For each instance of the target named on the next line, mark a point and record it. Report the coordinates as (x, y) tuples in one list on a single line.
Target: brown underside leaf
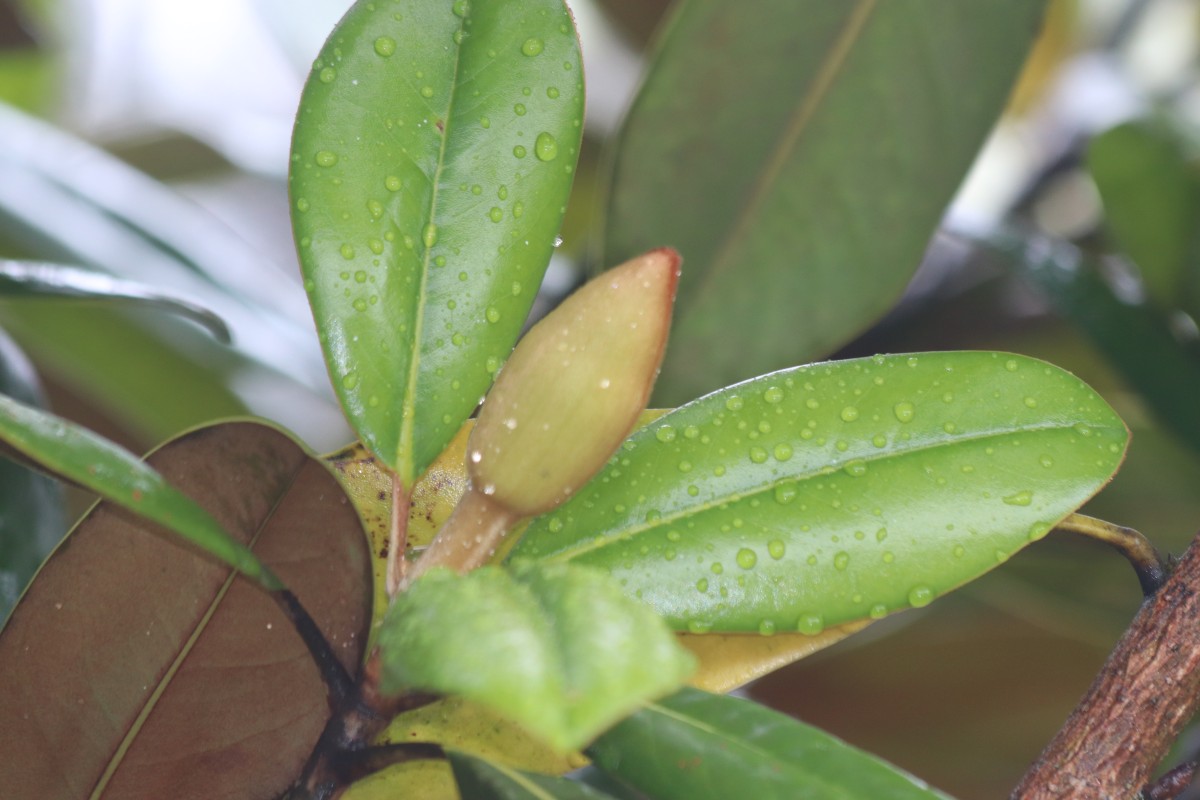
[(136, 668)]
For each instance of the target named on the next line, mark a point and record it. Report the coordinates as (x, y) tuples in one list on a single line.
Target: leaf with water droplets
[(557, 648), (700, 746), (433, 155), (826, 494), (861, 134)]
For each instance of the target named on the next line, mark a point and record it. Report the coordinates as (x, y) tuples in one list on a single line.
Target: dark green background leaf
[(135, 663), (696, 745), (485, 780), (843, 491), (433, 156), (802, 172)]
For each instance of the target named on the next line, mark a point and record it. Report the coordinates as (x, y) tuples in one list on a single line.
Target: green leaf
[(489, 780), (696, 745), (764, 167), (31, 505), (825, 494), (84, 458), (431, 164), (135, 668), (60, 281), (1151, 197), (1136, 337), (558, 649)]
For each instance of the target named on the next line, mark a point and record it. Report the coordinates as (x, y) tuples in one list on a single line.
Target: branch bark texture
[(1143, 696)]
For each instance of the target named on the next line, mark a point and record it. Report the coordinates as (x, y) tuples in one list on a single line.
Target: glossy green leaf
[(696, 745), (1136, 337), (1151, 197), (836, 492), (765, 167), (431, 164), (488, 780), (84, 458), (60, 281), (561, 650), (136, 668), (31, 505)]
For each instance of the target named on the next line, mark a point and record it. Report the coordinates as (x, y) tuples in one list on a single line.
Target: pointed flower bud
[(574, 386)]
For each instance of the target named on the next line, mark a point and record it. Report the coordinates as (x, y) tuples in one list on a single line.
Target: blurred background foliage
[(147, 142)]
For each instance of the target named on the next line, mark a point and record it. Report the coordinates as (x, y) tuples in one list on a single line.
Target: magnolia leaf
[(697, 745), (560, 650), (488, 780), (762, 167), (136, 668), (433, 155), (838, 492)]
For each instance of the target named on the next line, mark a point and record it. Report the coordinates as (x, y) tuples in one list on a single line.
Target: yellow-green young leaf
[(88, 460), (711, 747), (559, 649), (432, 160), (838, 492), (574, 387)]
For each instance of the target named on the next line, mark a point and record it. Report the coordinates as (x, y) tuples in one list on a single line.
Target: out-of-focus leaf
[(488, 780), (1151, 197), (136, 668), (464, 726), (837, 492), (432, 161), (696, 745), (59, 281), (762, 167), (81, 457), (637, 19), (1136, 338), (31, 505), (558, 649)]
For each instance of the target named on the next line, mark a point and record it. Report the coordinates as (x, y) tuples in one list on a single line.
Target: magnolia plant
[(487, 604)]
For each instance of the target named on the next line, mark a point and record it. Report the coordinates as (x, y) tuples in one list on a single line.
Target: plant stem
[(337, 681), (1150, 567), (1143, 696), (397, 564), (469, 537)]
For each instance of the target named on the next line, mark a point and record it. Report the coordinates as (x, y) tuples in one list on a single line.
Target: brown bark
[(1143, 696)]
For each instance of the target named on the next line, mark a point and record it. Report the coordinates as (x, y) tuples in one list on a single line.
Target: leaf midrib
[(135, 728), (601, 539), (404, 448)]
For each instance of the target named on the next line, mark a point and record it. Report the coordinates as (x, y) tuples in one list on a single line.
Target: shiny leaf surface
[(135, 668), (840, 94), (696, 745), (60, 281), (558, 649), (432, 159), (79, 456), (838, 492)]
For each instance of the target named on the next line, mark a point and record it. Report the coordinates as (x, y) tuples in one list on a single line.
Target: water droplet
[(920, 596), (856, 468), (1031, 402), (350, 380), (773, 395), (783, 452), (746, 558), (429, 235), (360, 304), (347, 251), (758, 455), (1011, 365), (426, 92), (518, 210), (1046, 461), (841, 561), (879, 440), (734, 403), (326, 158), (878, 611), (302, 205), (888, 556), (810, 624), (776, 548), (385, 46), (766, 628), (905, 411), (545, 147), (457, 37), (698, 626), (327, 75), (495, 215), (552, 92), (519, 109), (702, 585), (881, 534), (493, 314), (555, 525), (461, 8), (1019, 499), (360, 276), (532, 47), (392, 183), (949, 427), (665, 434), (519, 151), (849, 414)]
